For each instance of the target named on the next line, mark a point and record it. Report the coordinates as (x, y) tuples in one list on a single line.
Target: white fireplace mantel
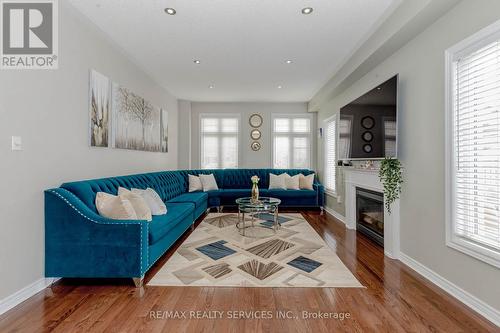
[(368, 179)]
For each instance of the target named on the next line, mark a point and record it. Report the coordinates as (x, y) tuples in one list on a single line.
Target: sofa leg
[(322, 210), (138, 282), (221, 208), (192, 226)]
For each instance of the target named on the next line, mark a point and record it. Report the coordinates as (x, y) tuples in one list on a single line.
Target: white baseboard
[(21, 295), (333, 213), (463, 296)]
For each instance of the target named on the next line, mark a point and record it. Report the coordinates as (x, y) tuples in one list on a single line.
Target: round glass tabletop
[(263, 202)]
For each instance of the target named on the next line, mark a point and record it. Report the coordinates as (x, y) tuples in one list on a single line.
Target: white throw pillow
[(195, 183), (114, 207), (306, 182), (141, 208), (292, 182), (153, 200), (277, 181), (208, 182)]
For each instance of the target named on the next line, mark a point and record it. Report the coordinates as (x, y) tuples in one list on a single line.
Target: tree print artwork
[(136, 123)]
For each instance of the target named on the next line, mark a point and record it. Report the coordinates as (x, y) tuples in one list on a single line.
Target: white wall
[(185, 135), (49, 109), (248, 157), (420, 65)]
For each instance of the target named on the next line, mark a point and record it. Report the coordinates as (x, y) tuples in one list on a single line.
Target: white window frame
[(473, 249), (292, 135), (336, 118), (219, 134)]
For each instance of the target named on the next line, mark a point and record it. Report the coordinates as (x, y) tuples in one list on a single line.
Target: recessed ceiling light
[(279, 87), (197, 62), (170, 11), (288, 61), (378, 88), (211, 87), (307, 10)]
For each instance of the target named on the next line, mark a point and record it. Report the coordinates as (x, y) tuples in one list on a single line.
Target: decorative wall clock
[(368, 122), (255, 120), (367, 136), (255, 134), (255, 146)]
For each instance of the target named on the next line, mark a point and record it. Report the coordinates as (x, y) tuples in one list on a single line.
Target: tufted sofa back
[(170, 184), (166, 183), (240, 178)]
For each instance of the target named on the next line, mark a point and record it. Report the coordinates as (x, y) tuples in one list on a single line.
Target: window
[(330, 150), (292, 141), (345, 133), (473, 146), (219, 141), (390, 137)]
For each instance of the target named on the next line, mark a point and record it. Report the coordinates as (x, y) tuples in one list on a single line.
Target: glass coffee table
[(254, 209)]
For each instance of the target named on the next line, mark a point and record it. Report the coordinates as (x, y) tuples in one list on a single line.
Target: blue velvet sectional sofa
[(82, 244)]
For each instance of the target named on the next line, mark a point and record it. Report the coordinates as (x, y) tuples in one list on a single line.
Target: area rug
[(216, 254)]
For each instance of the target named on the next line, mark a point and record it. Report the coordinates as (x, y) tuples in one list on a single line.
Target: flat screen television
[(368, 125)]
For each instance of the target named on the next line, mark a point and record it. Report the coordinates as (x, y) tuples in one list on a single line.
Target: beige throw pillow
[(141, 208), (292, 182), (306, 182), (153, 200), (195, 183), (208, 182), (277, 182), (114, 207)]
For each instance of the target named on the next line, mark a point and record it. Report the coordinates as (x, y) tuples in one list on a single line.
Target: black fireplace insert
[(370, 214)]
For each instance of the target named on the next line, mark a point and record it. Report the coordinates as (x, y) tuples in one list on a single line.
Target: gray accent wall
[(248, 158), (420, 64), (49, 109)]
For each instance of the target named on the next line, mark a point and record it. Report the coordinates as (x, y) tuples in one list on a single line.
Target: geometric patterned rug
[(216, 254)]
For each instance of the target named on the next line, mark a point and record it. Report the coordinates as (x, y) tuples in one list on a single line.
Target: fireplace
[(370, 214)]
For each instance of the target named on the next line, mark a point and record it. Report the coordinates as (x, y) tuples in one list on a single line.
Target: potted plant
[(391, 177)]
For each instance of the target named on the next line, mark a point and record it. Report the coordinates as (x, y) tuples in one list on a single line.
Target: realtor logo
[(29, 34)]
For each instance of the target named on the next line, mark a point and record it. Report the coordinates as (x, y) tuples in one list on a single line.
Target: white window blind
[(219, 141), (475, 86), (330, 160), (345, 132), (390, 137), (292, 141)]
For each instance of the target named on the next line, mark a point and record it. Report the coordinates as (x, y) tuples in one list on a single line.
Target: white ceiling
[(242, 44)]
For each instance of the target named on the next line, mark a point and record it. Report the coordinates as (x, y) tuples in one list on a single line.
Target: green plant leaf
[(391, 177)]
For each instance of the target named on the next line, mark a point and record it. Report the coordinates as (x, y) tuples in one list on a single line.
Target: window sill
[(474, 250)]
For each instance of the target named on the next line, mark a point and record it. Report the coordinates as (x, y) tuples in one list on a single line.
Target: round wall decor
[(255, 146), (367, 136), (368, 122), (255, 134), (255, 120), (367, 148)]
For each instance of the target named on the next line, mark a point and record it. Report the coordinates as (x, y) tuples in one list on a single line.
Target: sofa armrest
[(320, 190), (81, 243)]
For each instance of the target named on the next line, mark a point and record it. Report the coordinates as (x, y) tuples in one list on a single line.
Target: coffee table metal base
[(242, 225)]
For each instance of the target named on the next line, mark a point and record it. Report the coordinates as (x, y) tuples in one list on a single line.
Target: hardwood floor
[(396, 299)]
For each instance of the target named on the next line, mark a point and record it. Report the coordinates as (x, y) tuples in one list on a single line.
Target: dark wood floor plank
[(396, 299)]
